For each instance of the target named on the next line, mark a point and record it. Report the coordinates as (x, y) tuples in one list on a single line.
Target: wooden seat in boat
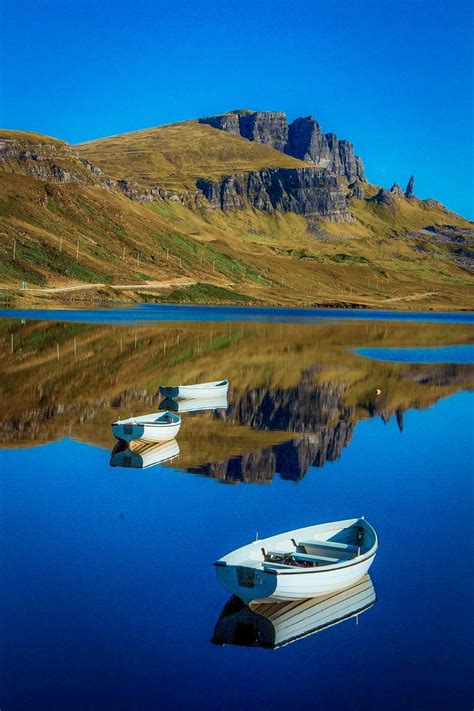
[(268, 564), (335, 545), (314, 558)]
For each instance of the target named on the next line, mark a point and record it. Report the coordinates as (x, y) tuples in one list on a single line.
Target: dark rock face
[(410, 191), (224, 122), (302, 139), (396, 190), (306, 191), (268, 127), (357, 190), (384, 197)]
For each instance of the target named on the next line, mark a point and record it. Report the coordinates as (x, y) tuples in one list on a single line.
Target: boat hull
[(176, 392), (145, 432), (253, 584), (339, 554)]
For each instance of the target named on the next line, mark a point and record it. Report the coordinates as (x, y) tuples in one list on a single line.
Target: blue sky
[(394, 78)]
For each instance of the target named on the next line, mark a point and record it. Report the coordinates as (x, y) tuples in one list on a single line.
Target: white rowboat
[(157, 427), (277, 624), (141, 455), (304, 563), (201, 390)]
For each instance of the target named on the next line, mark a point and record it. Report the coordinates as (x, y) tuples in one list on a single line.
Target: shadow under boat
[(219, 402), (141, 455), (274, 624)]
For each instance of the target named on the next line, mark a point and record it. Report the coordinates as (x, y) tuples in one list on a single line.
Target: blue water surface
[(108, 597), (435, 354), (131, 313)]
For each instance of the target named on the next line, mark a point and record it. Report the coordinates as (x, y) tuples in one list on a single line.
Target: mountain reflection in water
[(296, 391)]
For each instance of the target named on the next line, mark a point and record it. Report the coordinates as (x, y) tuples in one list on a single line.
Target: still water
[(108, 596)]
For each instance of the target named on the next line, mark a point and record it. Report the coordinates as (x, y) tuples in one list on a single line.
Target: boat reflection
[(218, 402), (274, 624), (141, 455)]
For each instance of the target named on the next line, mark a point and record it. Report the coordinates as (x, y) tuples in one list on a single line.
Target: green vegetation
[(207, 294)]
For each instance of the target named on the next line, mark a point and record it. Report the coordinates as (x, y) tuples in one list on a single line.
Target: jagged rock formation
[(307, 142), (302, 139), (396, 190), (384, 197), (410, 190), (306, 191)]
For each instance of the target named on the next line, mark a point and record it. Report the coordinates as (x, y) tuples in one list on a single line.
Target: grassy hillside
[(175, 156), (60, 234)]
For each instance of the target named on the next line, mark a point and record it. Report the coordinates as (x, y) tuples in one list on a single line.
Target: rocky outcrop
[(410, 190), (306, 191), (190, 198), (267, 127), (396, 190), (307, 142), (384, 197), (357, 191), (303, 139), (49, 162)]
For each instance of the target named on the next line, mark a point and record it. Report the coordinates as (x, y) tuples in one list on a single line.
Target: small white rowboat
[(201, 390), (280, 623), (157, 427), (304, 563), (141, 455)]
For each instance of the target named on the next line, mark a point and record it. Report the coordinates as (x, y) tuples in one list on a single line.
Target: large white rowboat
[(200, 390), (157, 427), (304, 563)]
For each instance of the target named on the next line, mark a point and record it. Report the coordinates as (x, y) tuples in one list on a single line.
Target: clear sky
[(395, 78)]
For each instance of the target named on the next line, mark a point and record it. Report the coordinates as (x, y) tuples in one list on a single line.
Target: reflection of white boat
[(274, 625), (307, 562), (201, 390), (217, 402), (140, 455), (157, 427)]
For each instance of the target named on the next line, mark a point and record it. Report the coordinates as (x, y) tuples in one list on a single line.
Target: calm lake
[(108, 596)]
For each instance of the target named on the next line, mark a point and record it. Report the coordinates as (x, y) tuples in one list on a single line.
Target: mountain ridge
[(230, 215)]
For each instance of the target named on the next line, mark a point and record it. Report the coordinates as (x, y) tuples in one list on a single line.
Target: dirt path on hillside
[(178, 281), (411, 297)]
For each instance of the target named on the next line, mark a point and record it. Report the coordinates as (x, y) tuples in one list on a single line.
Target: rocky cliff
[(53, 162), (303, 139), (305, 191)]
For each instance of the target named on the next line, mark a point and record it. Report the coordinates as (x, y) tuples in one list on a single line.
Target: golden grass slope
[(175, 156)]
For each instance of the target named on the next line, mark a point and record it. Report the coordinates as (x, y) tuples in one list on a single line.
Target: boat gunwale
[(144, 423), (340, 565), (199, 386)]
